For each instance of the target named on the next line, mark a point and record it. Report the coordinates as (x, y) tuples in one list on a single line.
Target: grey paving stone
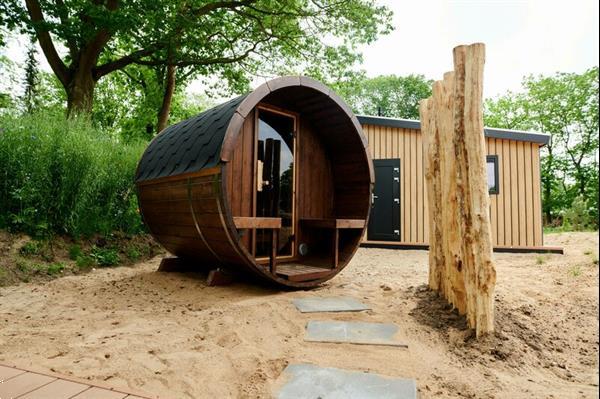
[(307, 381), (353, 332), (331, 304)]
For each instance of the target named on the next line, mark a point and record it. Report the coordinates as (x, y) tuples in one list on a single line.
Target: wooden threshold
[(498, 248), (334, 223), (298, 272)]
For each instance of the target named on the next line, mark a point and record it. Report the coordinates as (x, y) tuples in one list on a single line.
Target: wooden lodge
[(276, 182), (399, 214)]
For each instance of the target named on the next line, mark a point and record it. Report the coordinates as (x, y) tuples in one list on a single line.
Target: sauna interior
[(292, 185)]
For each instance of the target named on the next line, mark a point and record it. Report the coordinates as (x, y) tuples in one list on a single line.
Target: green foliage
[(232, 41), (30, 248), (564, 105), (85, 262), (390, 96), (581, 216), (55, 268), (132, 253), (105, 256), (75, 252), (59, 176)]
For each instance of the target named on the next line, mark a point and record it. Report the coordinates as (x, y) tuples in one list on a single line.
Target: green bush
[(75, 252), (67, 177), (581, 216), (30, 248), (105, 256)]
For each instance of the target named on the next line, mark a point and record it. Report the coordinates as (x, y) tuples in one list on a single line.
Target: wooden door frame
[(295, 117)]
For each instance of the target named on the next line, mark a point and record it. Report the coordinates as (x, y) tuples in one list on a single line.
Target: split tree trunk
[(460, 260)]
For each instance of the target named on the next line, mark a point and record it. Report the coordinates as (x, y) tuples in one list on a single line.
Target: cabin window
[(275, 179), (492, 174)]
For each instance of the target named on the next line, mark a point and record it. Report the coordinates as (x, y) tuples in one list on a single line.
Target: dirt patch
[(172, 335), (23, 259)]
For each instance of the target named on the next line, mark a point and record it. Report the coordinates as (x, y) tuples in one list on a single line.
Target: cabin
[(276, 183), (399, 217)]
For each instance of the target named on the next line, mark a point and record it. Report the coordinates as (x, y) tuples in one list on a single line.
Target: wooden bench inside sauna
[(276, 182)]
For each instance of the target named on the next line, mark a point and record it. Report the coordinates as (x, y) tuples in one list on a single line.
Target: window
[(492, 174)]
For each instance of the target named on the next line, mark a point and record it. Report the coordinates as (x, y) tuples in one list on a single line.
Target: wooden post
[(460, 259)]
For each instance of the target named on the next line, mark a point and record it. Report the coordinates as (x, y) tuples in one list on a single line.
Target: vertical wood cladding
[(515, 211)]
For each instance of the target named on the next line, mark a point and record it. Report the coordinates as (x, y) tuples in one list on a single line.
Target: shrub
[(75, 252), (581, 215), (84, 262), (105, 256), (65, 176), (30, 248), (55, 268)]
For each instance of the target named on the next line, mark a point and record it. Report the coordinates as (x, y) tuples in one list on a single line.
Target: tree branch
[(45, 40), (121, 63)]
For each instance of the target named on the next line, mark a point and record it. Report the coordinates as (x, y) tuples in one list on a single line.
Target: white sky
[(522, 37)]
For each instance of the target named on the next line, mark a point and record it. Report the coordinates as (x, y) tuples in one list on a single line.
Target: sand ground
[(171, 335)]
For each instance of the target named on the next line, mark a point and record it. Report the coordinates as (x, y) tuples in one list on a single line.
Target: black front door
[(384, 222)]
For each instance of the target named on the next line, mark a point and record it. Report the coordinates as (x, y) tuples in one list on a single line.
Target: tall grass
[(65, 176)]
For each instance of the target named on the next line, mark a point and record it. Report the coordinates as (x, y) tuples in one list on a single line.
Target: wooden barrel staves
[(276, 182)]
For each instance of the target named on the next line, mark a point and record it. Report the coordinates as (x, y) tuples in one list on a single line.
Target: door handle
[(397, 179), (397, 200)]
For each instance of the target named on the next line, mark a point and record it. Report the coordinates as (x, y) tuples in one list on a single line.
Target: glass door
[(275, 179)]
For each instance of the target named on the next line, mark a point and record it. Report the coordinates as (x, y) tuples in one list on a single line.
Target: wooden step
[(299, 272)]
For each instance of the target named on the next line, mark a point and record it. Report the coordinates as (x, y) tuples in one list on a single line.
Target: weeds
[(540, 260), (105, 256), (62, 176)]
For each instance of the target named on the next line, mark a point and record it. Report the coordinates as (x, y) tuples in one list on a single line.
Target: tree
[(231, 39), (564, 105), (31, 81), (389, 95)]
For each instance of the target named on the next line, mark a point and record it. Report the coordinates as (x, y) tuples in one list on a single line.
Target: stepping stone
[(353, 333), (332, 304), (307, 381)]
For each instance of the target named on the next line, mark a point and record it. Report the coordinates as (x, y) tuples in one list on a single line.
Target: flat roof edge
[(517, 135)]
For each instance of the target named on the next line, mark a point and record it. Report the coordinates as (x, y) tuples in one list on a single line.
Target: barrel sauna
[(276, 182)]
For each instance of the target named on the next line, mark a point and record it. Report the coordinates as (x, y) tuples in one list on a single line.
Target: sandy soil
[(172, 335)]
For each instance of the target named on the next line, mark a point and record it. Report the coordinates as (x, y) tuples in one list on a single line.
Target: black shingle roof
[(188, 146)]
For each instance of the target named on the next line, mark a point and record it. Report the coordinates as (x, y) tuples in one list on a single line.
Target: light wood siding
[(515, 212)]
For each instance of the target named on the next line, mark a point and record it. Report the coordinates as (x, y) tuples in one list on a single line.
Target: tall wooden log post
[(460, 258)]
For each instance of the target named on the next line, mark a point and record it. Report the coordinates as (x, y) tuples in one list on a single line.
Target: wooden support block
[(219, 277)]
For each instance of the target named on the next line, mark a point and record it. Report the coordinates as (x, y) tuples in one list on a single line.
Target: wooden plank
[(491, 150), (537, 197), (507, 191), (100, 393), (242, 222), (413, 187), (500, 200), (420, 187), (522, 194), (200, 173), (334, 223), (22, 384), (514, 194), (8, 372), (295, 272), (273, 252), (58, 389), (528, 172)]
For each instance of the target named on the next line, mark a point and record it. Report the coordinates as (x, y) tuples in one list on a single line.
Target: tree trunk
[(80, 93), (165, 108)]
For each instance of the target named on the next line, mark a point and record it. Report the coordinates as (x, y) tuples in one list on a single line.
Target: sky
[(522, 37)]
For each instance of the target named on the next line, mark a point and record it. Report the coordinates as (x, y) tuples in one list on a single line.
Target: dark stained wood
[(300, 272), (256, 222), (211, 217)]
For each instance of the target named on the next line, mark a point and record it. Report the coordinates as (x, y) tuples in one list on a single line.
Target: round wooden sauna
[(276, 182)]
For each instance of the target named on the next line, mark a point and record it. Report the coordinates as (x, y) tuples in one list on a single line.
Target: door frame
[(295, 117), (396, 214)]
